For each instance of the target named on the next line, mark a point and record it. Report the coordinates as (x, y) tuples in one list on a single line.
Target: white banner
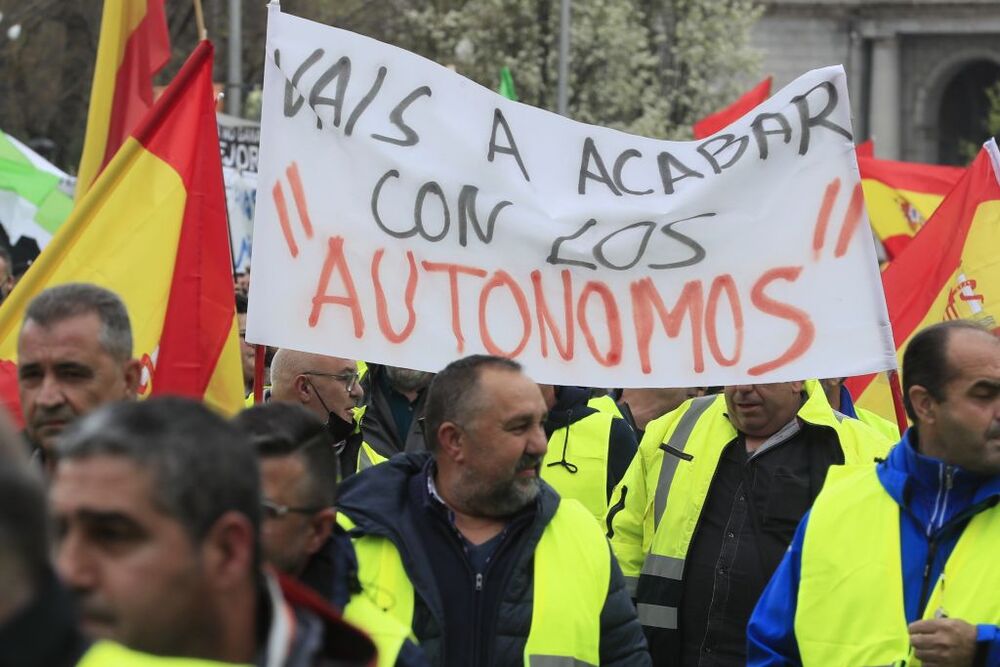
[(410, 216)]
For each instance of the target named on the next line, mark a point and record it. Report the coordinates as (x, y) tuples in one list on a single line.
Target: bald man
[(326, 386)]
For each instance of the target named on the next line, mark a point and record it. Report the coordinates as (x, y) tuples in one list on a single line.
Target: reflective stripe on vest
[(688, 456), (576, 463), (851, 609), (387, 633), (109, 654), (368, 457), (572, 570)]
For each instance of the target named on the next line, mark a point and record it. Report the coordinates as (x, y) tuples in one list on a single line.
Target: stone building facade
[(917, 69)]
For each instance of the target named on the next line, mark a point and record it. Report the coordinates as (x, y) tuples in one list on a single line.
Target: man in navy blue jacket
[(943, 478)]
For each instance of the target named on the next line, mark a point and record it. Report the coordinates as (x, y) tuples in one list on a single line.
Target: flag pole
[(258, 374), (897, 401), (199, 17)]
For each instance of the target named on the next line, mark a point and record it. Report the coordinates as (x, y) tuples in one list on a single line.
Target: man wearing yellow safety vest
[(897, 564), (158, 507), (841, 401), (708, 507), (329, 388), (466, 545), (589, 450), (299, 534)]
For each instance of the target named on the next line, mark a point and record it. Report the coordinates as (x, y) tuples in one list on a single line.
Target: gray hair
[(72, 299), (198, 461), (454, 392)]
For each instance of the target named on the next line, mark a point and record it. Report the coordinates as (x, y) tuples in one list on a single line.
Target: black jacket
[(43, 634), (485, 628), (378, 425), (570, 407)]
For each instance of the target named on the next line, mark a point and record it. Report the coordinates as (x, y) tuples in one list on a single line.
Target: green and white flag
[(34, 193)]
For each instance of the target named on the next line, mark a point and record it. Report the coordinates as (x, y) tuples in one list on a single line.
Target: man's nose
[(538, 442), (74, 563), (50, 394), (357, 393)]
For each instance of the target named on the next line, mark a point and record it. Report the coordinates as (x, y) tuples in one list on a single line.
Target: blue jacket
[(936, 500)]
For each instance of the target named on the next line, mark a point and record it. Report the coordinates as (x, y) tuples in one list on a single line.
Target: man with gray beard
[(395, 399), (466, 544)]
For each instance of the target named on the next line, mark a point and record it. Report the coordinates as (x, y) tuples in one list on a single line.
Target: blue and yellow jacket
[(936, 502)]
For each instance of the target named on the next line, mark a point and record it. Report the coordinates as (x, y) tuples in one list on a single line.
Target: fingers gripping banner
[(409, 216)]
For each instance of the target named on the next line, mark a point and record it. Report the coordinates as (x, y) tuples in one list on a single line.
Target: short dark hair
[(72, 299), (453, 394), (925, 362), (288, 429), (199, 465), (24, 526)]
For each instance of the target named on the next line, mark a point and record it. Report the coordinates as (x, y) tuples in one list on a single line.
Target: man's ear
[(797, 386), (924, 405), (450, 444), (133, 375), (303, 390), (321, 526), (228, 551)]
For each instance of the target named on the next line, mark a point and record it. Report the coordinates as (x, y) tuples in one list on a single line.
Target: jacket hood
[(570, 407)]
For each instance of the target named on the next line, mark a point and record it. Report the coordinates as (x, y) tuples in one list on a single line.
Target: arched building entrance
[(963, 110)]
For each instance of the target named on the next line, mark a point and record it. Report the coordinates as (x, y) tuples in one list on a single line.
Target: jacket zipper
[(948, 480)]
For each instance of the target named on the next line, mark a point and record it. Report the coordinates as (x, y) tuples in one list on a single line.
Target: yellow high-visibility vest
[(572, 570), (656, 507), (850, 608), (576, 463), (110, 654)]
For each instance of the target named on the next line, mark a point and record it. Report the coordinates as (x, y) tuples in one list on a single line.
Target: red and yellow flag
[(721, 119), (950, 270), (134, 46), (153, 229), (901, 196)]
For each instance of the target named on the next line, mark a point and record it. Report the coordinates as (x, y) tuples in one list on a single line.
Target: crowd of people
[(365, 514)]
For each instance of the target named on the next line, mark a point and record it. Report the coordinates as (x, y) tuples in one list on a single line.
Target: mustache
[(92, 609), (527, 462), (59, 413)]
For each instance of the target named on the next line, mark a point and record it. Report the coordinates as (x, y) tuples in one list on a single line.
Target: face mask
[(336, 426)]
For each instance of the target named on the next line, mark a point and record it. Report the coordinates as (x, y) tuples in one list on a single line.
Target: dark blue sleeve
[(771, 630), (988, 640), (410, 655), (622, 446)]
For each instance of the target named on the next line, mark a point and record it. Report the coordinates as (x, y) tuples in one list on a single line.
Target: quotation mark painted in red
[(852, 219), (298, 195)]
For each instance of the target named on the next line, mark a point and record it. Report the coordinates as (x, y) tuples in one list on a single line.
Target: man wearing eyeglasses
[(329, 388), (299, 535)]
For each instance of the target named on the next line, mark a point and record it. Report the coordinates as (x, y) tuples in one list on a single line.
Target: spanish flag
[(134, 45), (950, 270), (153, 229), (901, 196), (722, 119)]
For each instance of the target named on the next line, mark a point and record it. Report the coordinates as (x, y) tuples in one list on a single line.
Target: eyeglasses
[(273, 510), (349, 379)]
